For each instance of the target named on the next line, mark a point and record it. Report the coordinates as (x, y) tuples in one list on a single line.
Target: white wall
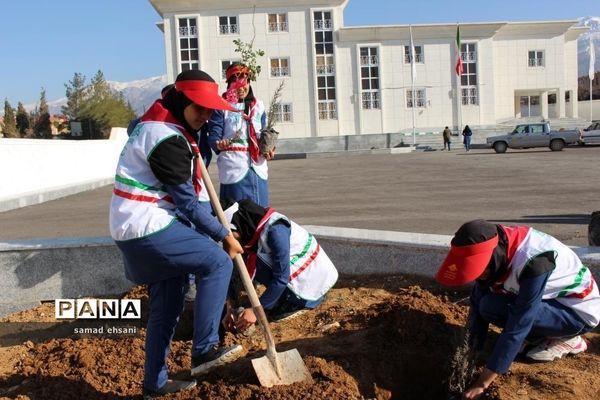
[(34, 166), (584, 109)]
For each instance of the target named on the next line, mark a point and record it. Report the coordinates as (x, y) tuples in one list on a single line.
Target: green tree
[(42, 126), (23, 122), (76, 96), (10, 124), (104, 108)]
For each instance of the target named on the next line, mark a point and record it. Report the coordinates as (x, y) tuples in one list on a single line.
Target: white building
[(357, 80)]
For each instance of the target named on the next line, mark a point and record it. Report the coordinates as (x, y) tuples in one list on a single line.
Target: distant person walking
[(467, 133), (447, 138)]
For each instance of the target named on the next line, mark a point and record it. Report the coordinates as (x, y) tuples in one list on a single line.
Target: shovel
[(274, 368)]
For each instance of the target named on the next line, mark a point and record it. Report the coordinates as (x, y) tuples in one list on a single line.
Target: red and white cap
[(470, 253)]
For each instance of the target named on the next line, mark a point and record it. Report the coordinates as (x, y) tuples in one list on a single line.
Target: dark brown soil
[(385, 337)]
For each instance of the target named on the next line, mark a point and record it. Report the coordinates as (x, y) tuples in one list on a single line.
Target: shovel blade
[(291, 367)]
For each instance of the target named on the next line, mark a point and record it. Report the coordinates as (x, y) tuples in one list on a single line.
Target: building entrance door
[(530, 106)]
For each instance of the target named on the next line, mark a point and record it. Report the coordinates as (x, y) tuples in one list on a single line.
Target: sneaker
[(215, 357), (171, 386), (552, 349), (190, 292)]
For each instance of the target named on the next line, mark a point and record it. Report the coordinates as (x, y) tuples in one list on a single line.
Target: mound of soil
[(384, 337)]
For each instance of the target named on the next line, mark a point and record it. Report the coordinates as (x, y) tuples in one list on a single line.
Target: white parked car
[(534, 135), (591, 134)]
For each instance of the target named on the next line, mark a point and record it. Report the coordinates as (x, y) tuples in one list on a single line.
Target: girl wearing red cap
[(528, 283), (234, 136), (164, 233), (282, 256)]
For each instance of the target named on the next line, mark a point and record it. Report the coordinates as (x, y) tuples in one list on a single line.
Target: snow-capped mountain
[(583, 45), (140, 94)]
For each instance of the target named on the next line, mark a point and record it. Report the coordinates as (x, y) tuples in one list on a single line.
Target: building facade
[(361, 80)]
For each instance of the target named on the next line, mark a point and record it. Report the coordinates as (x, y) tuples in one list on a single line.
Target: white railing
[(228, 29), (536, 62), (418, 58), (188, 31), (369, 60), (468, 56), (280, 71), (325, 69), (278, 26), (327, 110), (323, 25), (370, 100)]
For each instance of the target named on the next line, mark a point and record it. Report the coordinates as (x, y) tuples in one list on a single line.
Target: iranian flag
[(459, 64)]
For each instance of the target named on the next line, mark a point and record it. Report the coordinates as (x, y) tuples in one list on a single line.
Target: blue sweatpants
[(554, 320), (163, 261), (250, 187)]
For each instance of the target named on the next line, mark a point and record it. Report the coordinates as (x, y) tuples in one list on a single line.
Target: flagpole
[(592, 75), (412, 78), (458, 83)]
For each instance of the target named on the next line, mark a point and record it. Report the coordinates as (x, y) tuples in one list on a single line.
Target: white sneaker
[(552, 349)]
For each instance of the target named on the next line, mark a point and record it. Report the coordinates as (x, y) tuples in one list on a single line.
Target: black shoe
[(171, 386), (286, 311), (215, 357)]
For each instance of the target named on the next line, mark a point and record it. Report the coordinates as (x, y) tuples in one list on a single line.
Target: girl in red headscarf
[(234, 136)]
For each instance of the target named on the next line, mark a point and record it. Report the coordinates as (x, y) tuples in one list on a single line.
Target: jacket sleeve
[(279, 242), (521, 315), (216, 126), (187, 202)]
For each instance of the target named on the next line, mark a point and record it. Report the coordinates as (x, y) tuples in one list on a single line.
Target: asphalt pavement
[(424, 192)]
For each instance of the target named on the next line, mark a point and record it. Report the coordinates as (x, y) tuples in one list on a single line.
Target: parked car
[(591, 134), (534, 135)]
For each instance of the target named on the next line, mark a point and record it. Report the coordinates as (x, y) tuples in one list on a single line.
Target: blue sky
[(43, 43)]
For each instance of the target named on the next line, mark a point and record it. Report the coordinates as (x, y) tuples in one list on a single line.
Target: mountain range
[(141, 93)]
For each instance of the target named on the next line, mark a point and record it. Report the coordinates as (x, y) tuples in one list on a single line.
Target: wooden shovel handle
[(239, 262)]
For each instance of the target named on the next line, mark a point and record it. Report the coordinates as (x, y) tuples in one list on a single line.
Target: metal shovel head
[(291, 369)]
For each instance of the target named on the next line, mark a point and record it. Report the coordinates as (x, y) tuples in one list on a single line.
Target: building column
[(517, 100), (544, 104), (560, 103)]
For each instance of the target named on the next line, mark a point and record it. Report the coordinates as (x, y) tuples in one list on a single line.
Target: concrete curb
[(39, 270), (37, 197)]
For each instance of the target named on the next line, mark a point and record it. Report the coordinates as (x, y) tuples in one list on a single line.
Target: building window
[(225, 64), (468, 52), (418, 100), (278, 23), (468, 80), (283, 112), (188, 44), (469, 96), (324, 42), (228, 26), (418, 54), (536, 58), (280, 67), (369, 76), (187, 27), (327, 110), (322, 21), (325, 65)]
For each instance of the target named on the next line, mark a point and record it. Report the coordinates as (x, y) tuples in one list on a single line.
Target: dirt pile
[(374, 337)]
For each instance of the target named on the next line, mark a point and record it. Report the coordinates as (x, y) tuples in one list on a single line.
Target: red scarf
[(253, 145), (250, 247), (157, 113)]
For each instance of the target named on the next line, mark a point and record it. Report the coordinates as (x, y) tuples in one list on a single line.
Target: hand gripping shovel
[(274, 368)]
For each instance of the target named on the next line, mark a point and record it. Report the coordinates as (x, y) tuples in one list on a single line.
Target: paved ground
[(428, 192)]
